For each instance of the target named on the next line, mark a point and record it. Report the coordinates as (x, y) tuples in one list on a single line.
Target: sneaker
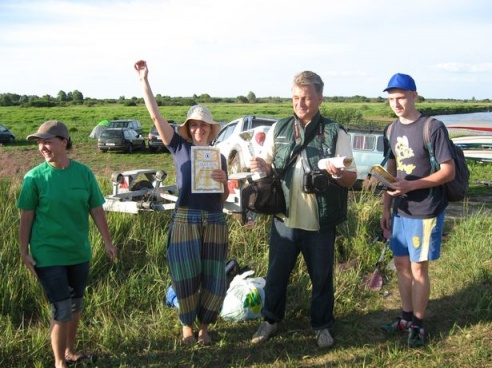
[(324, 339), (264, 332), (400, 325), (416, 338)]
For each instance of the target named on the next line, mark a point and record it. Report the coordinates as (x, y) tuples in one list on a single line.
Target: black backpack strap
[(388, 151), (428, 145)]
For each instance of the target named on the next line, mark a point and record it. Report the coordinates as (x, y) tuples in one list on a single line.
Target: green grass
[(127, 324), (81, 119)]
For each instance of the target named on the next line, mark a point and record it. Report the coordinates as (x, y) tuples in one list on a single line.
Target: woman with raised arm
[(198, 234)]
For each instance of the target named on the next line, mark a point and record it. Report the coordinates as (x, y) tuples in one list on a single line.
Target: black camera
[(315, 182)]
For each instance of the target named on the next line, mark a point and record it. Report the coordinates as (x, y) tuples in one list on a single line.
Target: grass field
[(126, 323)]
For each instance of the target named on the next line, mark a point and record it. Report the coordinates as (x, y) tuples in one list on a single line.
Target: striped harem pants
[(196, 254)]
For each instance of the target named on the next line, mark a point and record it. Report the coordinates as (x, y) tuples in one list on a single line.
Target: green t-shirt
[(61, 199)]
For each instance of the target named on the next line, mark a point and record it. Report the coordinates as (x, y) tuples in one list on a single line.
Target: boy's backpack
[(457, 188)]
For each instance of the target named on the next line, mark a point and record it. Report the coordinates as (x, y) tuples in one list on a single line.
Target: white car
[(242, 139)]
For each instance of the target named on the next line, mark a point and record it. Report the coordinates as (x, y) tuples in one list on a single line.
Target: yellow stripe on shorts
[(427, 225)]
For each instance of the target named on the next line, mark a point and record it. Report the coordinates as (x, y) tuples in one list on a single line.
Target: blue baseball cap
[(401, 81)]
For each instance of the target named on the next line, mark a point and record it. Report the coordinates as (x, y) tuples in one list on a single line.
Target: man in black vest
[(316, 199)]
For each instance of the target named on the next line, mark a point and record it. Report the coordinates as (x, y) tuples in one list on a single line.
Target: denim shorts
[(63, 282)]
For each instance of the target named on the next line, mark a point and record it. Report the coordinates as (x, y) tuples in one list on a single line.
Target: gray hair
[(307, 78)]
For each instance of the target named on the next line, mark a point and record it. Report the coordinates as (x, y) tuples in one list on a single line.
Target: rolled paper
[(338, 162)]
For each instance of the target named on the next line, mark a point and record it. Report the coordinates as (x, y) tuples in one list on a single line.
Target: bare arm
[(221, 176), (99, 218), (25, 226), (443, 175), (165, 130), (344, 178), (388, 199)]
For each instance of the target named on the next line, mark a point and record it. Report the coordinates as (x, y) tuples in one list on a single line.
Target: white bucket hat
[(202, 113)]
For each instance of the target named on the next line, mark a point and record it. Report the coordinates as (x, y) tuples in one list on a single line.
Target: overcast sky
[(228, 48)]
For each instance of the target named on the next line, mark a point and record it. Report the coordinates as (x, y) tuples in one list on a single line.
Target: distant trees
[(62, 96), (76, 97), (241, 99), (251, 97), (7, 99)]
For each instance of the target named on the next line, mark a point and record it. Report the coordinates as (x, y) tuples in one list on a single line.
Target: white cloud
[(230, 47), (466, 68)]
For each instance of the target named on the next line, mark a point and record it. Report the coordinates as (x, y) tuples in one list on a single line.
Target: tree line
[(77, 98)]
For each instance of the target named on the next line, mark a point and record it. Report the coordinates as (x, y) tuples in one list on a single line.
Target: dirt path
[(473, 204)]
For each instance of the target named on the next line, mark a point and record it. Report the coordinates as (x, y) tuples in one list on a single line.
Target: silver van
[(368, 149)]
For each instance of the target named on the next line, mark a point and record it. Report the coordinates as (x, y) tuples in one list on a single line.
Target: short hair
[(69, 142), (307, 78)]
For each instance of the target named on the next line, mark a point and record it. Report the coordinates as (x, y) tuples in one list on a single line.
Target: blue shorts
[(63, 282), (420, 239)]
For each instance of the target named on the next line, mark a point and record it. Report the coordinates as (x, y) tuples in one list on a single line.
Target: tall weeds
[(127, 323)]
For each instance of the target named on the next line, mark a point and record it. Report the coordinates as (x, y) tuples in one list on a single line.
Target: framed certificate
[(203, 161)]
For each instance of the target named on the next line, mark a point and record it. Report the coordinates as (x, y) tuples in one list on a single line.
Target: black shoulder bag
[(265, 195)]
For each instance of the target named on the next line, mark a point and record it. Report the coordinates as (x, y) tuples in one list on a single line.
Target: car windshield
[(108, 133), (119, 124), (153, 130), (258, 122)]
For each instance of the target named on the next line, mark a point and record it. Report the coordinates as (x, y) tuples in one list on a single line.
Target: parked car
[(120, 139), (368, 149), (6, 136), (155, 141), (242, 139), (134, 124)]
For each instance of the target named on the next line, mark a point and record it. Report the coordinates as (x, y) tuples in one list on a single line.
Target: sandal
[(204, 340), (189, 340), (82, 358)]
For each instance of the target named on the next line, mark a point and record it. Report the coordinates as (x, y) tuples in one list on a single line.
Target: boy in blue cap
[(414, 210)]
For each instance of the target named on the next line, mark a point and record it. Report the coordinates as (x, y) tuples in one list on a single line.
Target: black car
[(6, 136), (155, 141), (126, 123), (120, 139)]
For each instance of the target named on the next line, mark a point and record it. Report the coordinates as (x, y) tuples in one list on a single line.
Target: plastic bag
[(244, 298), (171, 298)]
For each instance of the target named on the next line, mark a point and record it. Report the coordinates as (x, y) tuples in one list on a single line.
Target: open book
[(383, 176)]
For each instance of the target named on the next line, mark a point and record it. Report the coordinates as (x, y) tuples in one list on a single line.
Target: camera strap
[(305, 163), (321, 135), (296, 127)]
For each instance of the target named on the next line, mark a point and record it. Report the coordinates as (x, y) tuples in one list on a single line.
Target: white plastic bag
[(244, 298)]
